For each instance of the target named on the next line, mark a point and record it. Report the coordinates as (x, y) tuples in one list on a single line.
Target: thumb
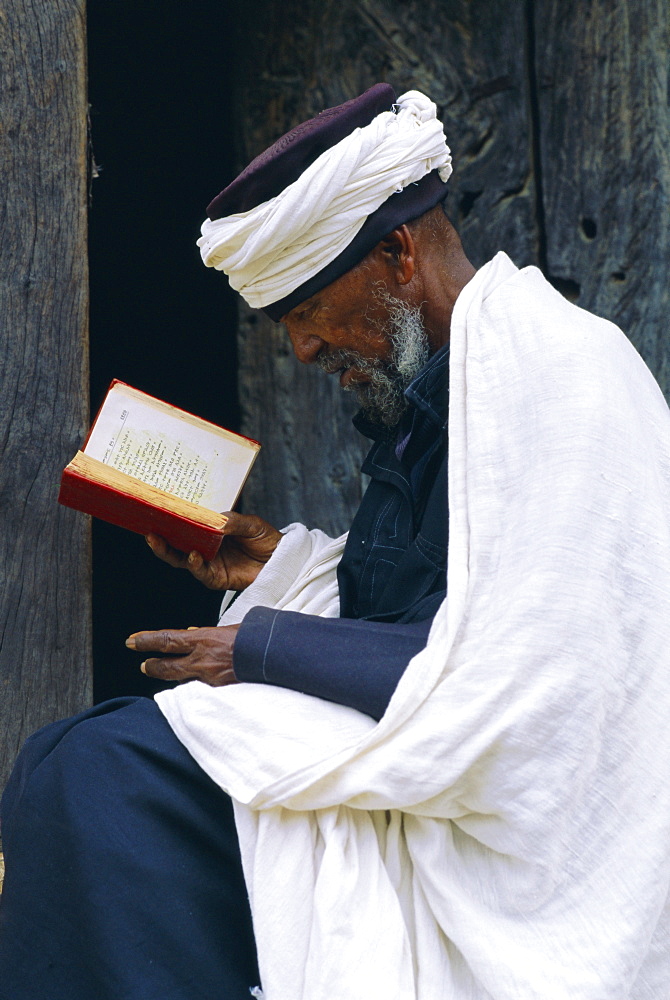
[(203, 571)]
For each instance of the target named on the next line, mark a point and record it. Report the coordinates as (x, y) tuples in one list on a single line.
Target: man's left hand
[(203, 654)]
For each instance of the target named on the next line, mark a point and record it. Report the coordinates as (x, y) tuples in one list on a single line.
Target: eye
[(309, 313)]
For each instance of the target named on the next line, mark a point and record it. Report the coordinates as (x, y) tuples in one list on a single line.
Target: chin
[(387, 414)]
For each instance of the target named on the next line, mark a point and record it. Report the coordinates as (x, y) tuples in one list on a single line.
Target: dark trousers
[(123, 873)]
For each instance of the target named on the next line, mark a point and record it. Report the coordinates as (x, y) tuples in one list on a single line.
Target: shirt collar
[(429, 390)]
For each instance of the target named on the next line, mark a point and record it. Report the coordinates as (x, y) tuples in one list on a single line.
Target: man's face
[(377, 343)]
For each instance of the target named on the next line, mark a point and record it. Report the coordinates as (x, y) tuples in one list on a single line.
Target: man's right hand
[(247, 545)]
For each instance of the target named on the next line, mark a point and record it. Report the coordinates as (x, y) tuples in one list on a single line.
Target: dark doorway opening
[(161, 107)]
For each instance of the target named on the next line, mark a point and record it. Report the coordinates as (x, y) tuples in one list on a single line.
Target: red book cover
[(131, 512)]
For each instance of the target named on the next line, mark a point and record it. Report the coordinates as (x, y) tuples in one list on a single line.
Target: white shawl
[(504, 831)]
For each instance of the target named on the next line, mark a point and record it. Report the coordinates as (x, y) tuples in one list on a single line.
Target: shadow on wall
[(160, 320)]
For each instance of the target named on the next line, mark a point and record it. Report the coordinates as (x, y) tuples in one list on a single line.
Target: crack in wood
[(491, 87), (389, 35), (535, 134)]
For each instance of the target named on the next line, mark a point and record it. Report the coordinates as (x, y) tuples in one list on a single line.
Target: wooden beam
[(602, 84), (45, 631)]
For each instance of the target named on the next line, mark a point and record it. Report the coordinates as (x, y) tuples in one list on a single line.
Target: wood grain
[(45, 659), (602, 78)]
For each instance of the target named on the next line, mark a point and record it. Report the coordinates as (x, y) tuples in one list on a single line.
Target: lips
[(347, 365), (351, 376)]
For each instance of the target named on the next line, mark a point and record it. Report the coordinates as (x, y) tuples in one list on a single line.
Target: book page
[(172, 451)]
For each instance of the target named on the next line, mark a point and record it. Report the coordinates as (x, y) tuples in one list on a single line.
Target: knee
[(67, 757)]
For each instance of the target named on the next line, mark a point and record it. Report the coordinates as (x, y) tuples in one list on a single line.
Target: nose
[(306, 346)]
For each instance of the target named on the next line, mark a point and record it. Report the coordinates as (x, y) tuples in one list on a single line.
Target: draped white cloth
[(503, 833), (275, 247), (300, 576)]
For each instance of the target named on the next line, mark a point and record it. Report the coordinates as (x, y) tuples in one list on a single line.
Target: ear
[(398, 252)]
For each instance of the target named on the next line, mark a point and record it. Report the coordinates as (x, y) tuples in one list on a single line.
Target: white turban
[(275, 247)]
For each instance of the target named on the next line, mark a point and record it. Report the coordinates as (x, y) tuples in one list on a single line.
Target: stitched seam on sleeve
[(267, 646)]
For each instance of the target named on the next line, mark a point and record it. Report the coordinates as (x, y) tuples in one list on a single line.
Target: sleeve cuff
[(252, 644)]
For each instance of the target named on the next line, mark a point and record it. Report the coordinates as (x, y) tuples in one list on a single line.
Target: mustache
[(341, 358)]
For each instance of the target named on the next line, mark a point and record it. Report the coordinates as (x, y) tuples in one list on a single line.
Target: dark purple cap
[(293, 153), (289, 157)]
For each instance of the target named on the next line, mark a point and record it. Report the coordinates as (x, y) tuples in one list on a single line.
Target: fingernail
[(143, 667), (130, 642)]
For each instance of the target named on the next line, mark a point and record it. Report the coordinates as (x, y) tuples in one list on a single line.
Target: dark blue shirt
[(392, 575)]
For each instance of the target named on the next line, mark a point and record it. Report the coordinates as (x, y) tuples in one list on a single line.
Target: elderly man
[(460, 796)]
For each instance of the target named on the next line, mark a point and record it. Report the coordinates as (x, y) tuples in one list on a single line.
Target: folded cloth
[(275, 247), (504, 831), (301, 575)]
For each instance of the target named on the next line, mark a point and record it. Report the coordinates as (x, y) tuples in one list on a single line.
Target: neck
[(444, 273), (443, 286)]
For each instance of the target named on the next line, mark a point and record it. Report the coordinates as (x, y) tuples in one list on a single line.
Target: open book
[(152, 467)]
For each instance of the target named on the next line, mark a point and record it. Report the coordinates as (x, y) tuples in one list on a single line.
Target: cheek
[(354, 333)]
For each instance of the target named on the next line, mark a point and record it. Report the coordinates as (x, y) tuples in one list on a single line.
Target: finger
[(162, 550), (167, 670), (197, 564), (176, 641), (178, 669), (202, 570), (244, 525)]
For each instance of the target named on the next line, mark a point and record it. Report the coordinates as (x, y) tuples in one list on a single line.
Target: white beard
[(383, 397)]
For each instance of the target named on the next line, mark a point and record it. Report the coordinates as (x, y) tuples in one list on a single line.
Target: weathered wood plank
[(44, 549), (471, 59), (602, 72)]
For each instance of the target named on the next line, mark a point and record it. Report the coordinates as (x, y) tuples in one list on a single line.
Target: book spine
[(137, 515)]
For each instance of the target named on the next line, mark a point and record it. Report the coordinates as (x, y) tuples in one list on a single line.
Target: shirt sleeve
[(350, 661)]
